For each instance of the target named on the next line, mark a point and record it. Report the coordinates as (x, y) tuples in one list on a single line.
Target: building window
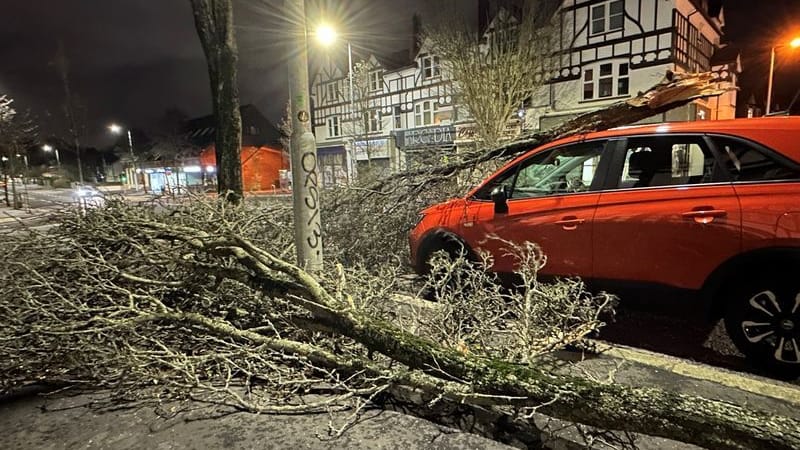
[(424, 112), (430, 66), (623, 85), (375, 80), (588, 84), (398, 118), (607, 83), (608, 16), (330, 92), (333, 127), (372, 121)]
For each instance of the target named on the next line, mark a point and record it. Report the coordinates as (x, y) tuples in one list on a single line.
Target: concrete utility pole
[(305, 179)]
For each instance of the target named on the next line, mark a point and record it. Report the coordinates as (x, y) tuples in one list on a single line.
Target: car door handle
[(570, 222), (704, 215)]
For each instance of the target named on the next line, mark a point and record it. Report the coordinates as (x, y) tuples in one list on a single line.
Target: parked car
[(709, 208)]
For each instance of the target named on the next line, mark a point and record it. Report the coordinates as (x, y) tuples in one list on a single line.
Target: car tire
[(763, 320), (449, 244)]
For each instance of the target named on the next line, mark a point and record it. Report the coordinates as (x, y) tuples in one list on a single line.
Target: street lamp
[(116, 129), (794, 43), (327, 36), (305, 189), (49, 148)]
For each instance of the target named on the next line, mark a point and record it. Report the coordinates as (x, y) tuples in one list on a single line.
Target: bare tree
[(214, 23), (18, 132), (496, 72), (74, 111)]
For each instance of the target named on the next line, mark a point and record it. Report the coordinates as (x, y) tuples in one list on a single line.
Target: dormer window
[(430, 66), (375, 80), (608, 17)]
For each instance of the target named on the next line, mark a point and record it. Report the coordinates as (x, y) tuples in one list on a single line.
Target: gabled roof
[(201, 131)]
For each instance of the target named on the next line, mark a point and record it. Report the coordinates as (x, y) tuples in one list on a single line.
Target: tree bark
[(214, 23)]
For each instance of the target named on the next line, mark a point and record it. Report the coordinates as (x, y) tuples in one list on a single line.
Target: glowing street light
[(794, 43), (327, 36), (49, 148), (117, 129)]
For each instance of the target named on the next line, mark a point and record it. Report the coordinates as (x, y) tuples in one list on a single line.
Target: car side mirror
[(500, 199)]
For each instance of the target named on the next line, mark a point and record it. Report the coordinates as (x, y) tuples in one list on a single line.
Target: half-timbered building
[(405, 110)]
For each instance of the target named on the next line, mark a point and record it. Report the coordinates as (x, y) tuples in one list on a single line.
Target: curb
[(755, 384)]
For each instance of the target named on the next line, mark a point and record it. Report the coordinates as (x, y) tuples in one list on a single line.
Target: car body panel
[(561, 225), (649, 234)]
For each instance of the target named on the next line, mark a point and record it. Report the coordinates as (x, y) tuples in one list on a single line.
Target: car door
[(552, 197), (670, 215)]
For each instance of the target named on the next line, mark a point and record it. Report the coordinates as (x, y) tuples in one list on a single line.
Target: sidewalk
[(61, 421)]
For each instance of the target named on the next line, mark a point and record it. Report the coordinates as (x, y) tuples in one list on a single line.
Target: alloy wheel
[(774, 321)]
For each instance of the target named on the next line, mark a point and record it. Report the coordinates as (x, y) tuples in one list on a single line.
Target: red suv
[(708, 208)]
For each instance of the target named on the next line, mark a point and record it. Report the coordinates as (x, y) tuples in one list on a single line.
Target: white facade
[(610, 50)]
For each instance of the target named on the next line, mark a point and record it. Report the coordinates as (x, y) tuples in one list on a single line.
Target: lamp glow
[(326, 35)]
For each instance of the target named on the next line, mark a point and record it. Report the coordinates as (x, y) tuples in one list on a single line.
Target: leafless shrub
[(479, 314)]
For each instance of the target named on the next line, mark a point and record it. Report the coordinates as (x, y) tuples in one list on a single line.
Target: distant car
[(709, 208), (86, 191)]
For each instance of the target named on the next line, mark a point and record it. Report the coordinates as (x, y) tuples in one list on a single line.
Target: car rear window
[(746, 162)]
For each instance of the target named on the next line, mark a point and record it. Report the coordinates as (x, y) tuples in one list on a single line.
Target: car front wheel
[(763, 321)]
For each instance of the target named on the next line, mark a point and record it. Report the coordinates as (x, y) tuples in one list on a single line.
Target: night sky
[(130, 60)]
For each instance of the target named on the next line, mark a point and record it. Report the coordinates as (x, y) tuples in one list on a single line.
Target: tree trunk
[(485, 381), (214, 23)]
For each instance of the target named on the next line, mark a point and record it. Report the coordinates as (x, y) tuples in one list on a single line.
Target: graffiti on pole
[(311, 183)]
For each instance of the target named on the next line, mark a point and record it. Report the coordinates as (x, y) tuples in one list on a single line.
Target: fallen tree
[(151, 298), (198, 301)]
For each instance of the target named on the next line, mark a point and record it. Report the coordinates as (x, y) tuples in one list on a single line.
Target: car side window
[(666, 161), (562, 170), (746, 162)]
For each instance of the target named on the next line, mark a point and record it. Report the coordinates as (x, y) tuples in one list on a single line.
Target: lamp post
[(49, 148), (795, 43), (326, 35), (116, 129), (305, 178)]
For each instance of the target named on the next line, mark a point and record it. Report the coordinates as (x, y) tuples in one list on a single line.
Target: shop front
[(422, 147)]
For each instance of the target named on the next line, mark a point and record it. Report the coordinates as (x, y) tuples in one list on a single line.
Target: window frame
[(617, 164), (331, 91), (433, 109), (772, 154), (334, 123), (372, 120), (606, 18), (375, 80), (597, 184), (430, 63), (591, 81)]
